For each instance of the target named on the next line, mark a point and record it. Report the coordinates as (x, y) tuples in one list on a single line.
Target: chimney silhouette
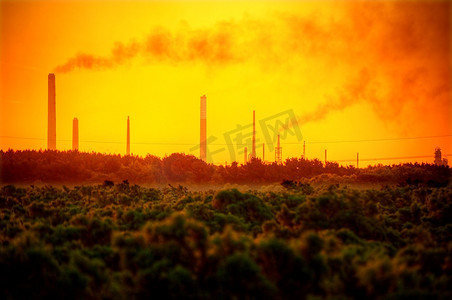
[(203, 134), (75, 134), (278, 153), (253, 149), (246, 156), (128, 136), (51, 121)]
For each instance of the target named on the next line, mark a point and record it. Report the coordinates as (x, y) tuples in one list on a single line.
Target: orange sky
[(366, 74)]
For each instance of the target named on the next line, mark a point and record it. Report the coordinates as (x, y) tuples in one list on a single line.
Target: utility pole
[(357, 160), (278, 153), (304, 149)]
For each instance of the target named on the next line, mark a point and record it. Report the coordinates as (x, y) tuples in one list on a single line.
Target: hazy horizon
[(367, 77)]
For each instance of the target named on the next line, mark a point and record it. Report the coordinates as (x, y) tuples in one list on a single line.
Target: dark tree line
[(32, 166)]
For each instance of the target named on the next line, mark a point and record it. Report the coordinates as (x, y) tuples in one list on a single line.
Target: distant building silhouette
[(51, 121), (438, 160), (245, 160), (128, 136), (75, 134), (203, 134)]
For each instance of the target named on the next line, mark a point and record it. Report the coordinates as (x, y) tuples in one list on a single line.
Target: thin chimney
[(203, 133), (278, 153), (51, 121), (128, 136), (253, 150), (75, 134)]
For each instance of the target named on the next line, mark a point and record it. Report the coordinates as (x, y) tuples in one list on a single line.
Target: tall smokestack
[(246, 154), (253, 149), (75, 134), (203, 135), (51, 121), (278, 153), (128, 136)]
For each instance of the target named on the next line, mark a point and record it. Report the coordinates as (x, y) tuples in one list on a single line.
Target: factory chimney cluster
[(51, 118), (51, 129), (51, 133), (51, 121)]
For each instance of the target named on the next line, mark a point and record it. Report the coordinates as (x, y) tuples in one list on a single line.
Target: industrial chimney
[(278, 153), (253, 149), (203, 135), (51, 121), (75, 134), (128, 136)]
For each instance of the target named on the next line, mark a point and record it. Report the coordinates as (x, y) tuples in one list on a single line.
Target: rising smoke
[(217, 46), (394, 55)]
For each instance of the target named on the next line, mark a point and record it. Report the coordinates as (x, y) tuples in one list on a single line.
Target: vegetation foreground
[(130, 242)]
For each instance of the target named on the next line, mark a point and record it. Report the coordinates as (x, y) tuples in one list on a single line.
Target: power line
[(230, 144), (389, 158), (341, 160), (100, 142), (21, 138), (378, 140)]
